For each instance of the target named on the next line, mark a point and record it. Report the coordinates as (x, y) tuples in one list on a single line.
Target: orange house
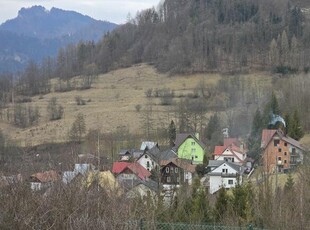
[(280, 152)]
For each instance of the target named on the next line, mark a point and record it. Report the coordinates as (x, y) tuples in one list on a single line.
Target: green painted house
[(189, 147)]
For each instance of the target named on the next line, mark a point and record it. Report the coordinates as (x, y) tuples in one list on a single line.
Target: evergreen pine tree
[(274, 105), (221, 205), (255, 137), (289, 184), (172, 133), (297, 130), (257, 124)]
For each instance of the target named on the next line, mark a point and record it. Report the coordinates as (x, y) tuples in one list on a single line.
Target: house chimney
[(197, 136)]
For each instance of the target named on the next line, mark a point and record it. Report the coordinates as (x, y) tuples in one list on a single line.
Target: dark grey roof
[(214, 163), (181, 137), (137, 153), (148, 145), (167, 155), (123, 152), (236, 167)]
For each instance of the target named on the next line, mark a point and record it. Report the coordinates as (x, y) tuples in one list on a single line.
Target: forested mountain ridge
[(212, 35), (37, 33)]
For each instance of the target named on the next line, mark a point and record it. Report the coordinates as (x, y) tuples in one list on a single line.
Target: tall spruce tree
[(221, 205), (295, 129), (255, 137), (172, 133)]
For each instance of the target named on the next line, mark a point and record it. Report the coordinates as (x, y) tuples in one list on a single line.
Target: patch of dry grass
[(112, 101)]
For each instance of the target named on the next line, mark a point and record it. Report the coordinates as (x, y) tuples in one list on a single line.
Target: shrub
[(138, 107)]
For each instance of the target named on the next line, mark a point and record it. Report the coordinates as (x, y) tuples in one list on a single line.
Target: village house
[(6, 181), (189, 147), (150, 158), (80, 170), (103, 180), (141, 189), (231, 151), (279, 151), (176, 171), (223, 174), (130, 171), (42, 180)]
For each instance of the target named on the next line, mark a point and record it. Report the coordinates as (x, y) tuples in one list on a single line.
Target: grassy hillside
[(111, 103)]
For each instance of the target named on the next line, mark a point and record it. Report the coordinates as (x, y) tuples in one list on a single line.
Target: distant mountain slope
[(36, 33)]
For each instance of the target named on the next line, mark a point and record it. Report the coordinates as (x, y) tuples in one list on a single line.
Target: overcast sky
[(109, 10)]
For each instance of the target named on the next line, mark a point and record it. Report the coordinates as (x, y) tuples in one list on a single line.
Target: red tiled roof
[(266, 136), (219, 150), (137, 169), (44, 177), (140, 171), (119, 167)]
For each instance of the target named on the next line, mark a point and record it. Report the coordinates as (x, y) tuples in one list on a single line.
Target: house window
[(167, 169), (276, 142), (285, 153), (232, 159), (145, 156), (171, 169), (147, 164), (280, 150), (285, 144), (178, 179), (168, 179), (193, 150), (285, 161), (196, 157), (279, 158), (153, 163), (193, 143), (224, 170), (230, 182), (176, 170)]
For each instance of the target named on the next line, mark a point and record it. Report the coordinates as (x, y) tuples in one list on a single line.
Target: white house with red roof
[(232, 151)]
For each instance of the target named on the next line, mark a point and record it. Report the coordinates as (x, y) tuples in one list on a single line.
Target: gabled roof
[(147, 145), (140, 171), (68, 176), (294, 142), (154, 153), (233, 144), (167, 154), (268, 134), (130, 184), (181, 163), (44, 177), (215, 163), (181, 137), (83, 168), (218, 150), (119, 167), (137, 153), (137, 169), (239, 169), (123, 152)]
